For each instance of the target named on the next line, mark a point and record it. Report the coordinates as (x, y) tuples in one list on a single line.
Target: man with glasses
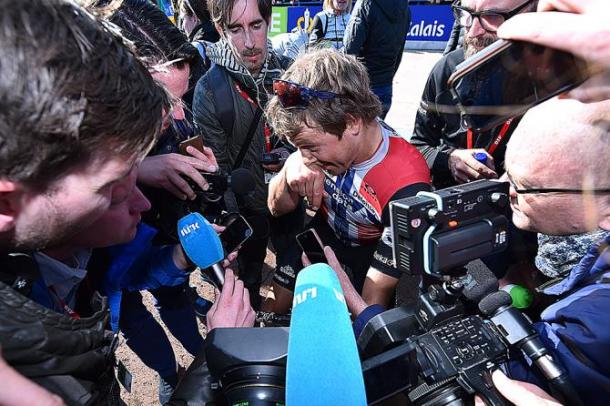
[(227, 110), (557, 163), (449, 148)]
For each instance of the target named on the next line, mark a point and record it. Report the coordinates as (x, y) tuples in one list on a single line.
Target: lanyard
[(267, 130), (495, 142), (67, 309)]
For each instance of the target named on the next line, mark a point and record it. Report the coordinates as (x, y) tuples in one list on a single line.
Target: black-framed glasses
[(560, 190), (293, 95), (490, 20)]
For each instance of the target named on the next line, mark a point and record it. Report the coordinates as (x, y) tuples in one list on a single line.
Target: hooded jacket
[(376, 34)]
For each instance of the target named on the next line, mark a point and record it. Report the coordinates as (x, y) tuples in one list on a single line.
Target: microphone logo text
[(188, 228)]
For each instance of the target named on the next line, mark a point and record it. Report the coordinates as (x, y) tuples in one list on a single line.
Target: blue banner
[(430, 23), (302, 17)]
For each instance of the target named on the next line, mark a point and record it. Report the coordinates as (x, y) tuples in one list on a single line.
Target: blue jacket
[(137, 265), (576, 329)]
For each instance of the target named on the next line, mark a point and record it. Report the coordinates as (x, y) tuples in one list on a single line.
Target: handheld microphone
[(517, 330), (201, 244), (323, 366), (240, 181)]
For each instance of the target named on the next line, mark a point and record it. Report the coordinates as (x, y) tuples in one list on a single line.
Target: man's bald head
[(561, 144), (564, 141)]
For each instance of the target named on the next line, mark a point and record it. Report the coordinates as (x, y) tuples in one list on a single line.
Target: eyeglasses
[(293, 95), (560, 190), (490, 20)]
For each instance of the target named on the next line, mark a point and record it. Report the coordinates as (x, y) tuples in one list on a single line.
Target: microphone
[(517, 330), (201, 244), (478, 283), (323, 366), (240, 181)]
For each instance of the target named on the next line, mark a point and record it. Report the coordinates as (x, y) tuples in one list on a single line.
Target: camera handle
[(428, 234)]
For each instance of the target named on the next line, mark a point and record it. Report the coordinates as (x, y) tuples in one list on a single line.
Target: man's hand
[(464, 167), (579, 27), (163, 171), (304, 181), (354, 301), (18, 390), (519, 393), (232, 306)]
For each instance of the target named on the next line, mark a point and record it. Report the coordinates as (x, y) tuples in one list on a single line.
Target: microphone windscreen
[(199, 240), (323, 366), (242, 181), (493, 302), (479, 282)]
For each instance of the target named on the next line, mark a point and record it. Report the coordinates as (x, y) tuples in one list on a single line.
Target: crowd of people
[(98, 98)]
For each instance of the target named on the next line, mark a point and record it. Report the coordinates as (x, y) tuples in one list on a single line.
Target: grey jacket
[(226, 147)]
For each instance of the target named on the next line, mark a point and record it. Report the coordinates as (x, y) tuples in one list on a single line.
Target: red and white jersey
[(354, 202)]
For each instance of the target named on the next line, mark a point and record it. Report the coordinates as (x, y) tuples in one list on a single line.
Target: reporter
[(576, 26)]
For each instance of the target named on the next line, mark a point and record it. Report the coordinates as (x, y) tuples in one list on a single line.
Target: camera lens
[(255, 385)]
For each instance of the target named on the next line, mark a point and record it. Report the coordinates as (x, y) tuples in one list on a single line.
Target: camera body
[(443, 356), (436, 232)]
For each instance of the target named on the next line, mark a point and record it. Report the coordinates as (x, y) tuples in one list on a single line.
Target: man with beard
[(448, 148), (228, 112)]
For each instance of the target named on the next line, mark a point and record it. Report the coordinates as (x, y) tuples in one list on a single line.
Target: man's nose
[(139, 202), (248, 39), (476, 30)]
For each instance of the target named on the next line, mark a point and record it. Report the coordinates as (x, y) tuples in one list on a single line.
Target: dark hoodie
[(376, 34)]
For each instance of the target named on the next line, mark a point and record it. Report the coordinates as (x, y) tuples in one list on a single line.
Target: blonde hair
[(326, 70), (328, 6)]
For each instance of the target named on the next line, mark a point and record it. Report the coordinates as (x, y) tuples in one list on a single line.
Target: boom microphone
[(323, 366), (201, 244)]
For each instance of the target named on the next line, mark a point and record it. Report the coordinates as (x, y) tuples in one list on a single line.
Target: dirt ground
[(408, 87)]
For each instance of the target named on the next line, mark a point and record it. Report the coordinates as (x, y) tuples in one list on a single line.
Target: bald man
[(558, 165)]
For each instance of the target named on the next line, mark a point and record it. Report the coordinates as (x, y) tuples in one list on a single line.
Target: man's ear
[(353, 125), (219, 30), (10, 195)]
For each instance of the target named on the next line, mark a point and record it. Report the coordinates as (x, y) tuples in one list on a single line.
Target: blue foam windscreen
[(323, 366), (199, 240)]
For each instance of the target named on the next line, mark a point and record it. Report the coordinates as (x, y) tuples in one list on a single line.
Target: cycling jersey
[(354, 202)]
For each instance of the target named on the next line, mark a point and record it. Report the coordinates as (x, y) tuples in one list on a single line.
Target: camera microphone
[(517, 330), (201, 244), (323, 366), (240, 181)]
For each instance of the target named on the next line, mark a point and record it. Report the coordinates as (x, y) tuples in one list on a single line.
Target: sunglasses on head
[(293, 95)]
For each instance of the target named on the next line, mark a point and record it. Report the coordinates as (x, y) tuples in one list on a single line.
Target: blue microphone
[(201, 244), (323, 366)]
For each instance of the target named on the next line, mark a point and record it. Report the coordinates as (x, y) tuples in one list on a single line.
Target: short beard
[(472, 45)]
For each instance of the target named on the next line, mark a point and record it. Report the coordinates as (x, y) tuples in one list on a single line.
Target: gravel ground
[(408, 86)]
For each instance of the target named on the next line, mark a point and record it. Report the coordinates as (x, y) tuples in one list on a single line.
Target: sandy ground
[(408, 86)]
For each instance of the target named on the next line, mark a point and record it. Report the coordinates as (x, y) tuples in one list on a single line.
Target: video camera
[(435, 233)]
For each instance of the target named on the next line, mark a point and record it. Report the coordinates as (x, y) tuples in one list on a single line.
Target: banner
[(430, 23)]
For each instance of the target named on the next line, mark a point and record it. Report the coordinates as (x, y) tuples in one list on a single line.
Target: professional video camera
[(446, 354), (435, 233)]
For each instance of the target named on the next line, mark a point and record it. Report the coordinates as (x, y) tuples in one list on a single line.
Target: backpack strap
[(223, 99)]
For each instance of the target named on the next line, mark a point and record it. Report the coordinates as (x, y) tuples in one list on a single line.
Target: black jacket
[(71, 358), (376, 34), (437, 124)]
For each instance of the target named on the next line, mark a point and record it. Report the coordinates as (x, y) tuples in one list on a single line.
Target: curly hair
[(326, 70)]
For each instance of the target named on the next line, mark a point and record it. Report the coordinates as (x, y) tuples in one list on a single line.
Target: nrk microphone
[(201, 244), (519, 332), (323, 366)]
